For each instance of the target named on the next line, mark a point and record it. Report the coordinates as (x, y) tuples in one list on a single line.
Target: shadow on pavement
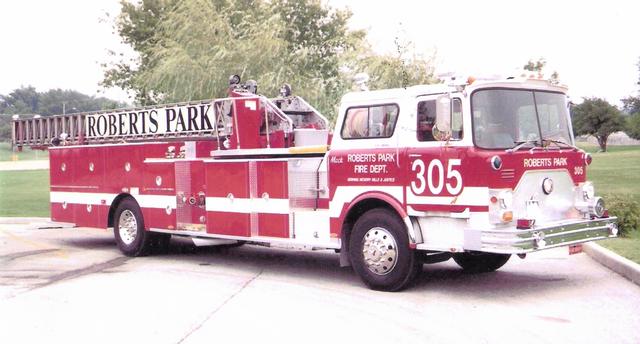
[(318, 265)]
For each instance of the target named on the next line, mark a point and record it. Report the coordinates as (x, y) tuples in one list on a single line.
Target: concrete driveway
[(73, 285)]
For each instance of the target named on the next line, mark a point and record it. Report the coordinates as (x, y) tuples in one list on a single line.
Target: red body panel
[(106, 171), (91, 215), (158, 218), (246, 134), (273, 183), (222, 180)]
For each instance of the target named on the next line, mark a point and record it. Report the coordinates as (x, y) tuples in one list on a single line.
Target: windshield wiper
[(520, 144), (560, 143)]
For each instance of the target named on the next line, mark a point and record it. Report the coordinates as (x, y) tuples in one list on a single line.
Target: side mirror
[(442, 129)]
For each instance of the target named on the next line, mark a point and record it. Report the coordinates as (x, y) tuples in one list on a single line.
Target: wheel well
[(114, 206), (352, 216)]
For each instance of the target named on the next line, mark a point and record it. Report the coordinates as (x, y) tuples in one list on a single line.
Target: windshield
[(505, 118)]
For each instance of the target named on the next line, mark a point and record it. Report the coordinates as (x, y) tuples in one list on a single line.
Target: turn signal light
[(588, 158), (507, 216)]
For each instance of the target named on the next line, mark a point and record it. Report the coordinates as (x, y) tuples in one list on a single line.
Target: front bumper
[(516, 241)]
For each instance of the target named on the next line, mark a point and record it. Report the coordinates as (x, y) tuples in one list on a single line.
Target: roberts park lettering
[(178, 119)]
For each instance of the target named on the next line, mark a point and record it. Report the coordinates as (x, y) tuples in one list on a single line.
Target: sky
[(592, 45)]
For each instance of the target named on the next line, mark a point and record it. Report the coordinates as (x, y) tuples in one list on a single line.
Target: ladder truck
[(474, 171)]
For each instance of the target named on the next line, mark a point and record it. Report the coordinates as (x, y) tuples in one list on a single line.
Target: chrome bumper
[(514, 241)]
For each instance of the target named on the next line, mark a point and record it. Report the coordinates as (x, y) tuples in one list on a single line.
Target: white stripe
[(248, 205), (81, 197), (145, 201), (470, 196), (156, 201), (346, 194)]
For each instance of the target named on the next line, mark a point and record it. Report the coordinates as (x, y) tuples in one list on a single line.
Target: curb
[(22, 220), (614, 262), (34, 222)]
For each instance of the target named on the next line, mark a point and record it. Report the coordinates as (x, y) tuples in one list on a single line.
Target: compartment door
[(191, 214)]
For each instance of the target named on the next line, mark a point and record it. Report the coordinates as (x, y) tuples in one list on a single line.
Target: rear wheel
[(379, 251), (476, 262), (129, 231)]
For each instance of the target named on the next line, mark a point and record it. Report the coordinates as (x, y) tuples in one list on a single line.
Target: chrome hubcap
[(127, 227), (379, 251)]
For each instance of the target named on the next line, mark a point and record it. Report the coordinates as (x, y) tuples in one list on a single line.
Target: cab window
[(427, 117), (370, 122)]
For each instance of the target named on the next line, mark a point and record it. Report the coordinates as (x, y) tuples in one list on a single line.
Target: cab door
[(434, 162)]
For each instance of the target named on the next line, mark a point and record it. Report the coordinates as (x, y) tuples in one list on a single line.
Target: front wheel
[(379, 251), (475, 262)]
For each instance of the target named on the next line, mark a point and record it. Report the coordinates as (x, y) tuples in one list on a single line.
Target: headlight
[(588, 192), (547, 186)]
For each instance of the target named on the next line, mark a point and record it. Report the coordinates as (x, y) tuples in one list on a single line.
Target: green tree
[(402, 69), (138, 26), (595, 116), (633, 126), (538, 66), (535, 66), (51, 102), (21, 100), (5, 127), (26, 100), (188, 49), (631, 105)]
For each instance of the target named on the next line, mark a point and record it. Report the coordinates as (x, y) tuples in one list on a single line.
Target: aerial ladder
[(243, 120)]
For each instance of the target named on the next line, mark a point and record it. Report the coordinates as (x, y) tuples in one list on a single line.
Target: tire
[(128, 229), (477, 262), (379, 251)]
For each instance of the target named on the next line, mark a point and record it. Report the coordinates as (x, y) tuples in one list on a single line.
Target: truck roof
[(419, 90)]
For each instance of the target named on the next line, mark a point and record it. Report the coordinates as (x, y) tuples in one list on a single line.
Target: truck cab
[(477, 171)]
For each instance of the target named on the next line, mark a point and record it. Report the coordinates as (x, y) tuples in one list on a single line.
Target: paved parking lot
[(73, 285)]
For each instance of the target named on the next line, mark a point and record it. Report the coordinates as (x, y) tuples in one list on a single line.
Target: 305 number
[(435, 178)]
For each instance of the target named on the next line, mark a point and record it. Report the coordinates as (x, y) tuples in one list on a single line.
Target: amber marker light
[(588, 158)]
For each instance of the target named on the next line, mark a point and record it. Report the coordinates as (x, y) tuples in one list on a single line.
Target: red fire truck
[(474, 171)]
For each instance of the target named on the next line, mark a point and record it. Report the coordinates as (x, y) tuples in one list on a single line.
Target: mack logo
[(191, 118), (336, 160)]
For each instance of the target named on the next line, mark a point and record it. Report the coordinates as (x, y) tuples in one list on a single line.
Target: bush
[(627, 210)]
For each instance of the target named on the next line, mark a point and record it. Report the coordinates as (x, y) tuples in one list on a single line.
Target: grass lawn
[(24, 193), (26, 154), (617, 172), (626, 247)]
